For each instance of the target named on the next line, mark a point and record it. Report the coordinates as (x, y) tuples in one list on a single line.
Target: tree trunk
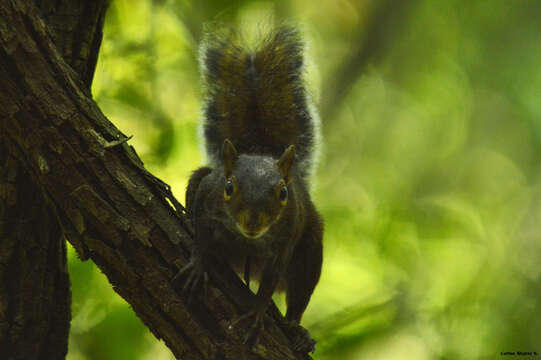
[(34, 288), (69, 171)]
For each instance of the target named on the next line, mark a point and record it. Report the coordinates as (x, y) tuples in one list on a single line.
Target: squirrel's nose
[(254, 223)]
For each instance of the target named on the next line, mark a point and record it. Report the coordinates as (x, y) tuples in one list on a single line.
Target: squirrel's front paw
[(194, 274), (301, 339), (257, 325)]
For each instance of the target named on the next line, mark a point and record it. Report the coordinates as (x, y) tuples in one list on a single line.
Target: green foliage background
[(429, 179)]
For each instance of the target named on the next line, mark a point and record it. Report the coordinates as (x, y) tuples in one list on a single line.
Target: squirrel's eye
[(228, 189), (283, 194)]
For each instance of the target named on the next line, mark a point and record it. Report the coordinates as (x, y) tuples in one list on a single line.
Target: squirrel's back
[(256, 98)]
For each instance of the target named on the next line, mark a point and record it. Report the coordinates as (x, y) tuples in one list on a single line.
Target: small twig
[(111, 144)]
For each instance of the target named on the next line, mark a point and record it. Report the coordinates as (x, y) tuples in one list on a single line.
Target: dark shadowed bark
[(66, 170), (34, 285)]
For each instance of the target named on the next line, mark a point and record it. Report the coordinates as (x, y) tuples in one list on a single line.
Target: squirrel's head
[(255, 188)]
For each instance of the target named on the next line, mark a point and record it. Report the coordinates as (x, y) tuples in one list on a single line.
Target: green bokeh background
[(429, 179)]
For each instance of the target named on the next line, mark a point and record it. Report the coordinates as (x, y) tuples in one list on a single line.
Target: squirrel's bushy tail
[(256, 98)]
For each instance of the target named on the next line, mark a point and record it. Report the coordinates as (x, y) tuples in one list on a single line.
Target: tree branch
[(111, 209)]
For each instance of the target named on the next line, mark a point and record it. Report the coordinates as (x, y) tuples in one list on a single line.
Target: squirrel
[(251, 206)]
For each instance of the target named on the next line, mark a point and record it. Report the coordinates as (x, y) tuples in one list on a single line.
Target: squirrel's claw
[(258, 324), (300, 337), (195, 275), (302, 341)]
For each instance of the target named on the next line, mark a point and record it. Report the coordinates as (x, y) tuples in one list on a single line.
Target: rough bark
[(110, 208), (34, 285), (75, 27)]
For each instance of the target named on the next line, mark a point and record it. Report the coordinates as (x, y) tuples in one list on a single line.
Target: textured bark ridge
[(67, 170), (34, 284)]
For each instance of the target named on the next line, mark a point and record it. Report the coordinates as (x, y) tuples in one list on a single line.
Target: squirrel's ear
[(286, 161), (230, 156)]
